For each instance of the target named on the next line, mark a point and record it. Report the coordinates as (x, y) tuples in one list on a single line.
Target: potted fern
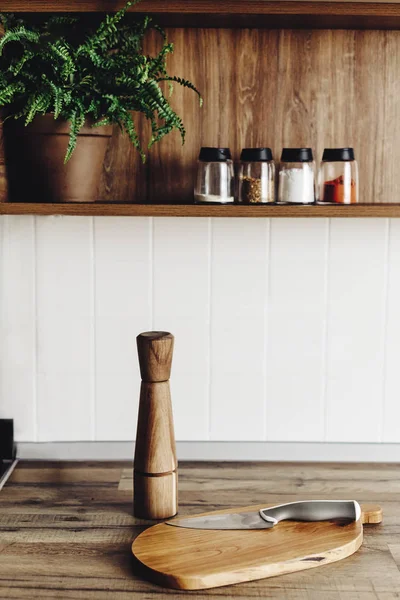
[(63, 85)]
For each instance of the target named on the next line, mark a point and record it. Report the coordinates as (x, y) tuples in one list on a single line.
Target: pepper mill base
[(155, 496)]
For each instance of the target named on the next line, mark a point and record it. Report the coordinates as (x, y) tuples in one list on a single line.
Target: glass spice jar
[(256, 176), (296, 176), (215, 177), (338, 177)]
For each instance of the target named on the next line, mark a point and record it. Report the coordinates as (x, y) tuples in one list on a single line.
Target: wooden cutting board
[(193, 559)]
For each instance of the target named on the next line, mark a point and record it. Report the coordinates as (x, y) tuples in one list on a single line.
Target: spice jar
[(215, 176), (256, 176), (338, 176), (297, 176)]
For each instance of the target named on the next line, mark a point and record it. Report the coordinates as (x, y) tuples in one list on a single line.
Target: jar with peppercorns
[(338, 177), (256, 176)]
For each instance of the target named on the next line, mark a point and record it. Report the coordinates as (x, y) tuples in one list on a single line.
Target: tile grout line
[(325, 334), (151, 278), (2, 279), (35, 333), (386, 284), (268, 245), (210, 273), (93, 360), (385, 319)]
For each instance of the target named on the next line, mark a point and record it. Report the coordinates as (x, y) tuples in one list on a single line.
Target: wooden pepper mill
[(154, 469)]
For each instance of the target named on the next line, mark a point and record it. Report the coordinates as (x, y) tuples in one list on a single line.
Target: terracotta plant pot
[(34, 157)]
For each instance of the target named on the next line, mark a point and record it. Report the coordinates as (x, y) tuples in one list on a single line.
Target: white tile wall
[(64, 309), (239, 267), (390, 407), (296, 330), (357, 288), (122, 307), (18, 341), (286, 330), (181, 293)]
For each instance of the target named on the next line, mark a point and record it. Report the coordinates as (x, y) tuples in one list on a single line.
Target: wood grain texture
[(242, 13), (155, 497), (155, 442), (266, 88), (155, 349), (66, 529), (192, 559), (196, 210), (372, 514), (202, 6), (155, 464)]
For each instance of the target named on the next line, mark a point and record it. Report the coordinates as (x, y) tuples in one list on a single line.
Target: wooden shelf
[(196, 210), (238, 13)]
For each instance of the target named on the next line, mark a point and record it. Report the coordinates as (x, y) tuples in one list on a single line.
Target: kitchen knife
[(304, 510)]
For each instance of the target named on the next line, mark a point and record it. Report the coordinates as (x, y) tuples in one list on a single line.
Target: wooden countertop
[(66, 529)]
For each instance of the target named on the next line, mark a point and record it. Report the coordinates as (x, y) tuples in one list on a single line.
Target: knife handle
[(312, 510)]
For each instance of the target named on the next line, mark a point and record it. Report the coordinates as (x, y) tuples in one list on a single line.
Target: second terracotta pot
[(34, 157)]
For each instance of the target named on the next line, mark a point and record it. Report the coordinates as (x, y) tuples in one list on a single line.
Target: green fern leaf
[(18, 35), (8, 93), (183, 83), (77, 121), (59, 64), (38, 104)]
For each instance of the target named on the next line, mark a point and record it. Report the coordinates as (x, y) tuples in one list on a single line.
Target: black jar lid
[(256, 155), (214, 154), (338, 154), (297, 155)]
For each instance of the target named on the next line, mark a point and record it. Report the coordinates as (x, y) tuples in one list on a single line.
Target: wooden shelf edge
[(196, 210), (209, 7), (314, 14)]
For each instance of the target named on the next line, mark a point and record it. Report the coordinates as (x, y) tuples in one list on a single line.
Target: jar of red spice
[(338, 177)]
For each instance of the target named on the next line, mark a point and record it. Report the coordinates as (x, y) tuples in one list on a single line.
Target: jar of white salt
[(296, 176), (215, 177)]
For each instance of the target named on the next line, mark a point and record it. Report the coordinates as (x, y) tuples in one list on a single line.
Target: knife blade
[(304, 510)]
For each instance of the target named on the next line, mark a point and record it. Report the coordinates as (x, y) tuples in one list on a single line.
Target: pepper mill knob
[(155, 350), (155, 464)]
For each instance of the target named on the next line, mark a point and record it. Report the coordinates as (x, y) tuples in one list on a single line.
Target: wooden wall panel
[(271, 87), (313, 14)]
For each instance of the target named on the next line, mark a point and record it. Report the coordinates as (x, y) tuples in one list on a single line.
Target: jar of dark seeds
[(256, 176)]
